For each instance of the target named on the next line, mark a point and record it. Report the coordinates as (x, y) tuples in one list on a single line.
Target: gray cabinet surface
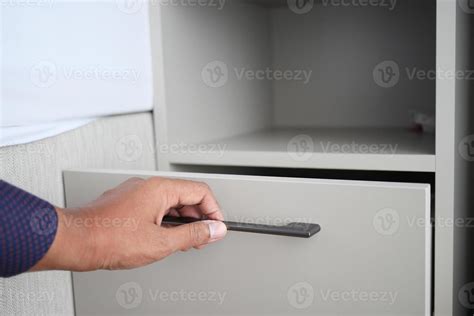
[(372, 256)]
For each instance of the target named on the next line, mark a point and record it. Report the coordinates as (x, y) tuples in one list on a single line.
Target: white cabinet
[(370, 67), (322, 89)]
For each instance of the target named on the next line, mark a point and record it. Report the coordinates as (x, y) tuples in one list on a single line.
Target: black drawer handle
[(302, 230)]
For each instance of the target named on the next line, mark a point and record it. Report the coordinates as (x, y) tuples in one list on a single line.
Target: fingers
[(190, 193), (195, 234), (199, 194), (190, 211)]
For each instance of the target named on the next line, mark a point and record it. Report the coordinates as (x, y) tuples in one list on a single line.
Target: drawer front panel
[(371, 257)]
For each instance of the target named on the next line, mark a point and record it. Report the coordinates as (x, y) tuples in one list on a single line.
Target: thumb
[(196, 234)]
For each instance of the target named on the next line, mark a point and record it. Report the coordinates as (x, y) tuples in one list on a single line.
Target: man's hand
[(122, 228)]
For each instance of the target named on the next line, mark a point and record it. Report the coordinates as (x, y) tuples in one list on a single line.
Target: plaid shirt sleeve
[(28, 226)]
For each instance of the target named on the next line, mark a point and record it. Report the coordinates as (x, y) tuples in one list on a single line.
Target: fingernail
[(217, 230)]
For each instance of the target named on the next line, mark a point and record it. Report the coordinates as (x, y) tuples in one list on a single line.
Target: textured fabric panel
[(119, 142)]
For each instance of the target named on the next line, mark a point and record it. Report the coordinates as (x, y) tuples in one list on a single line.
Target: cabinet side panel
[(445, 146), (205, 51), (464, 168)]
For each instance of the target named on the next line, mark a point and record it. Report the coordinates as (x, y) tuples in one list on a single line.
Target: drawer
[(371, 257)]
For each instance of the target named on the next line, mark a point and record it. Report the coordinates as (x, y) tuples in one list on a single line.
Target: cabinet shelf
[(386, 149)]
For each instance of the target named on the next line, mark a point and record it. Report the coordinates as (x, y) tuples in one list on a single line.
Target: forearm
[(28, 227), (72, 248), (119, 230)]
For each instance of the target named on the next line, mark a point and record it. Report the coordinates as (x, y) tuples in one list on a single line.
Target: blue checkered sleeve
[(28, 226)]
